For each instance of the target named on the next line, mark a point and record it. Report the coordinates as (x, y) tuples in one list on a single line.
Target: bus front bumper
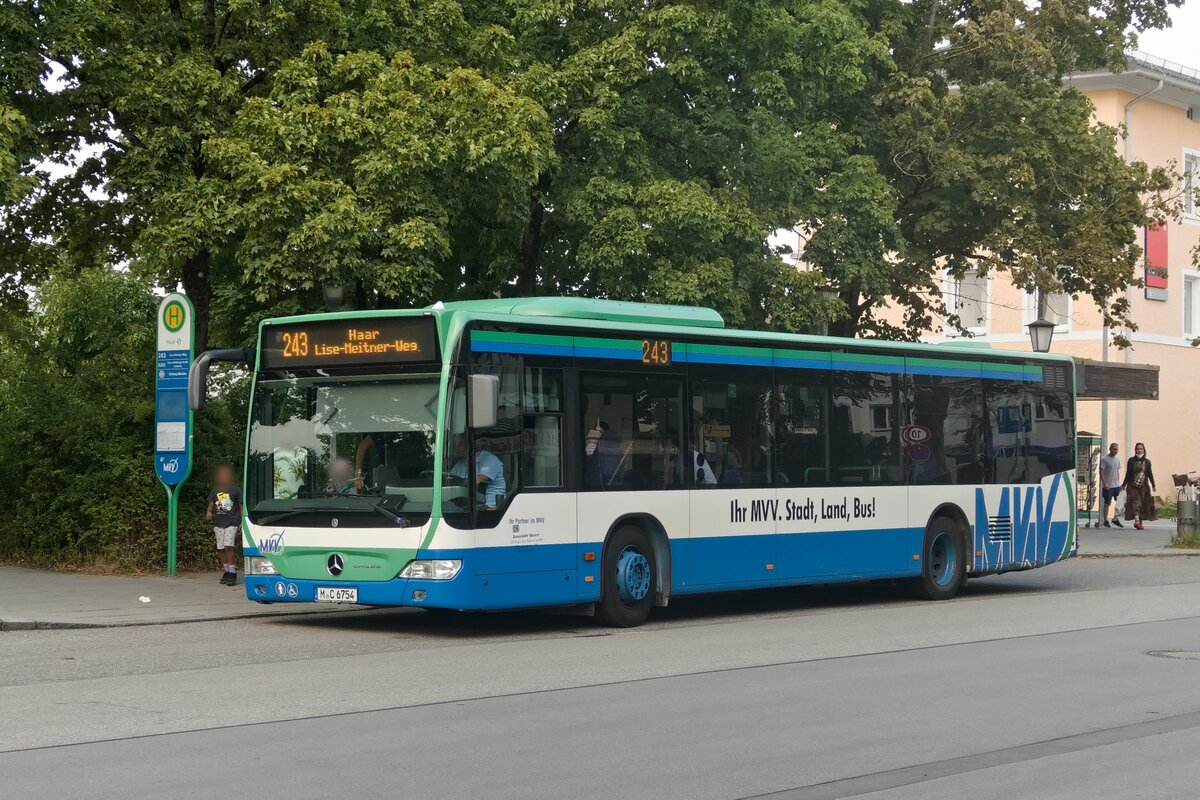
[(396, 592)]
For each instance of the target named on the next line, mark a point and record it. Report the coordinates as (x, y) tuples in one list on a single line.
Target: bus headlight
[(256, 565), (436, 570)]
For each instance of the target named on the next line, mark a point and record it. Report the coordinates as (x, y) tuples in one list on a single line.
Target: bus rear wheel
[(628, 579), (943, 561)]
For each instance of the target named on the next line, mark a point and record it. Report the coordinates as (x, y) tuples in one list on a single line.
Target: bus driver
[(489, 472)]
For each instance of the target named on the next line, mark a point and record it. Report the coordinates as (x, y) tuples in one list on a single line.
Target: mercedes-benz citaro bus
[(505, 454)]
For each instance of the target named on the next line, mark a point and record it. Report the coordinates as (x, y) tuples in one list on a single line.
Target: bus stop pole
[(172, 526)]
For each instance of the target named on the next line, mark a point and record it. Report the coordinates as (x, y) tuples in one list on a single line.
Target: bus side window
[(500, 443), (864, 429), (947, 446), (1052, 435), (731, 426), (542, 450), (632, 437), (801, 438), (1010, 423)]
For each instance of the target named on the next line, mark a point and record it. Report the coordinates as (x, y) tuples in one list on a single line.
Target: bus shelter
[(1101, 381)]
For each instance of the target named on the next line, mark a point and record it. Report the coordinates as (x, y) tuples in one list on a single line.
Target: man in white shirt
[(1110, 483)]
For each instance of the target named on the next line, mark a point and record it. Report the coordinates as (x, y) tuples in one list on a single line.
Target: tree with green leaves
[(991, 162), (439, 149), (377, 100)]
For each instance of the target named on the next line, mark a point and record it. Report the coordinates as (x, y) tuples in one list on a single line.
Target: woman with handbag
[(1139, 488)]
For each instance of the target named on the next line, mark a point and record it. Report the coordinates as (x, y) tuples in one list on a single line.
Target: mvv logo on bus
[(1023, 515), (271, 545)]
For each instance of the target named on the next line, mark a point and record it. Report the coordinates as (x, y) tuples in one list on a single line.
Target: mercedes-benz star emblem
[(335, 564)]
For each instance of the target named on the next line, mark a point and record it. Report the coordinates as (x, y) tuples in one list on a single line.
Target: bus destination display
[(657, 352), (349, 342)]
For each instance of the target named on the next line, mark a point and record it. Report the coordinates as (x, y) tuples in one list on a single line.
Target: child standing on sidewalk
[(225, 511)]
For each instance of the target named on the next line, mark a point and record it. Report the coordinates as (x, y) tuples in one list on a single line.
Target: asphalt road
[(1033, 685)]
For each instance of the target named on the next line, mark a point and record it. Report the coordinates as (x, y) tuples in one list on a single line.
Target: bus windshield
[(346, 448)]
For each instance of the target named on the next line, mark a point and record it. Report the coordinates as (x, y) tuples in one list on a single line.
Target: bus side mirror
[(484, 391), (198, 374)]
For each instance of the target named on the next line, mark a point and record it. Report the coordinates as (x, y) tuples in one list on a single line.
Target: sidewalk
[(1117, 542), (38, 599)]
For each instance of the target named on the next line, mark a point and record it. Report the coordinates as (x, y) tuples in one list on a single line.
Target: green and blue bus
[(521, 453)]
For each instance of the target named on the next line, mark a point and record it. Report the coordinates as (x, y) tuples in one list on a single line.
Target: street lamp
[(334, 293), (1041, 331)]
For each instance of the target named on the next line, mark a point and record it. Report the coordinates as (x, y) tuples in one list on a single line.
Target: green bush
[(76, 431)]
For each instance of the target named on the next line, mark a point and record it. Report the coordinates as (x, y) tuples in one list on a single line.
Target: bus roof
[(598, 310)]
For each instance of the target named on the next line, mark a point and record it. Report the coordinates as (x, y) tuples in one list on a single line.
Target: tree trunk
[(531, 242), (848, 327), (195, 286)]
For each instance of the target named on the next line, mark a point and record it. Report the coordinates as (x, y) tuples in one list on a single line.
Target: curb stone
[(50, 625)]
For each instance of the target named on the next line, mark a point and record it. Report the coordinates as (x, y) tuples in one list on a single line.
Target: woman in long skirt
[(1139, 488)]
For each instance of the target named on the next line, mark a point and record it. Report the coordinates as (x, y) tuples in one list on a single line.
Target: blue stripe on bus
[(802, 363), (605, 352), (719, 358)]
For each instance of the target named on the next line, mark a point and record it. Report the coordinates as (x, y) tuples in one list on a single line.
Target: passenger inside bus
[(604, 456)]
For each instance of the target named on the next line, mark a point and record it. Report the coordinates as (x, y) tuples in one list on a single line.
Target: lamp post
[(1041, 331), (333, 293)]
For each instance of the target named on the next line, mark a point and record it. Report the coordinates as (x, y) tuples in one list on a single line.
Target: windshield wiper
[(396, 518), (277, 517)]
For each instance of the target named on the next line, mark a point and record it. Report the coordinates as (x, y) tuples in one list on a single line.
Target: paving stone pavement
[(42, 599)]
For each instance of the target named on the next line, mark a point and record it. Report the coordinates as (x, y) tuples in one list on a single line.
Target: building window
[(1058, 309), (1191, 306), (1191, 182), (967, 299)]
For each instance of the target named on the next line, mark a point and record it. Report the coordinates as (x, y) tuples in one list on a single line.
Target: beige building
[(1159, 103)]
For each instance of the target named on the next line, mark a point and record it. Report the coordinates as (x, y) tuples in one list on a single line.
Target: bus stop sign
[(172, 417)]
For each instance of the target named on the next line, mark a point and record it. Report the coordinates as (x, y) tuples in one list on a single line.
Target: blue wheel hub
[(633, 576), (943, 555)]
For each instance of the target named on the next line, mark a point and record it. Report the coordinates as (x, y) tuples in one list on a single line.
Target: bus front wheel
[(943, 561), (628, 579)]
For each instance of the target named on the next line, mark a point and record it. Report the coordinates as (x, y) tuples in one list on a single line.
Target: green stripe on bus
[(867, 358), (944, 363), (729, 350), (1016, 369), (1073, 520), (522, 338), (608, 344), (803, 355)]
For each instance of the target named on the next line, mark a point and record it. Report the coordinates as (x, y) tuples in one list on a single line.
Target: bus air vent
[(1054, 377), (1000, 529)]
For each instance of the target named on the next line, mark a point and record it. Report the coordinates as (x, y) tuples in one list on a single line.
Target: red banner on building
[(1156, 262)]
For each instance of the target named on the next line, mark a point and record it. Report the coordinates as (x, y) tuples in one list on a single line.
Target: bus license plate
[(337, 594)]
